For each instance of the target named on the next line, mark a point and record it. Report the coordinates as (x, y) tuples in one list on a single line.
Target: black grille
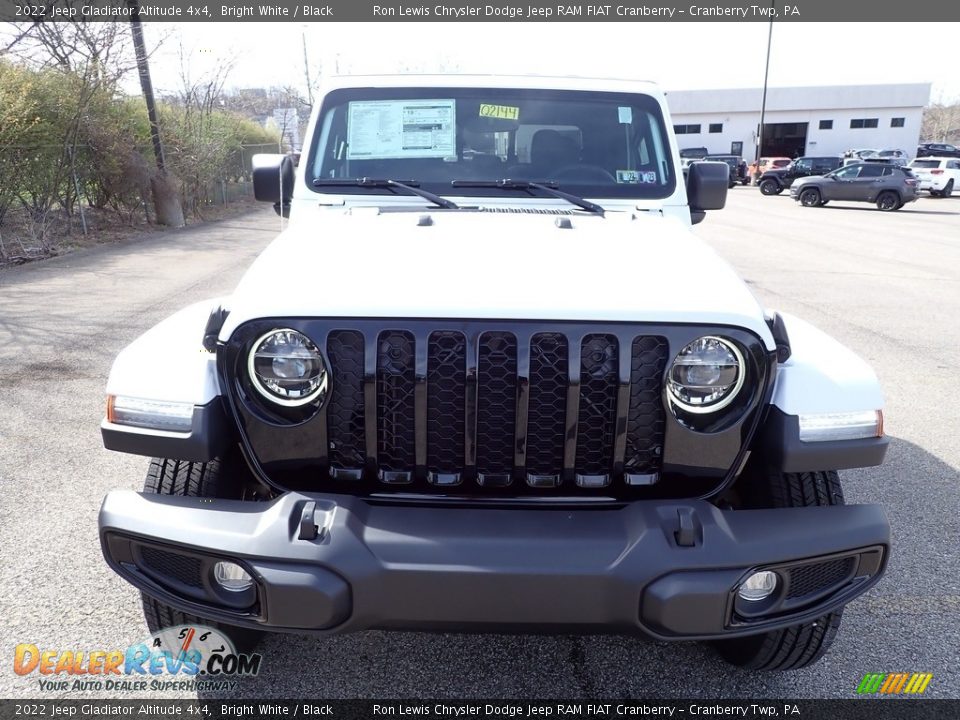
[(345, 415), (548, 402), (395, 403), (182, 568), (492, 408), (817, 577), (598, 404), (645, 422), (446, 390)]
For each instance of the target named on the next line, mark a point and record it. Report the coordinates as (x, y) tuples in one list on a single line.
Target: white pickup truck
[(487, 379)]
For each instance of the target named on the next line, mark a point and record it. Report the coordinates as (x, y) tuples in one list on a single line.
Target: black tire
[(770, 187), (888, 201), (194, 479), (947, 191), (800, 645), (810, 198)]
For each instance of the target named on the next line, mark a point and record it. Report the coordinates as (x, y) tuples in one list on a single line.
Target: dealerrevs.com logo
[(183, 657)]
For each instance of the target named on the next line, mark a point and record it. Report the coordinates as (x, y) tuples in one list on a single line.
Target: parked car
[(774, 182), (757, 168), (860, 153), (938, 175), (938, 150), (888, 185), (738, 168)]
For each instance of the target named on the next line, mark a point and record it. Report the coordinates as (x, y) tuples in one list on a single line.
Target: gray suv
[(889, 186)]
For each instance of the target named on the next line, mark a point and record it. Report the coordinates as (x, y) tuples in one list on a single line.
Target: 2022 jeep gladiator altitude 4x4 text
[(487, 379)]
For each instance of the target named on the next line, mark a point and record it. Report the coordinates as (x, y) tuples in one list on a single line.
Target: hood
[(493, 265)]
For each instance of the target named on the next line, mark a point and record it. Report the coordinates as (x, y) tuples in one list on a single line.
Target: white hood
[(487, 265)]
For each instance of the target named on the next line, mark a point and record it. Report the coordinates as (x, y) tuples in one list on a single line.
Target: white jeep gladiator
[(487, 379)]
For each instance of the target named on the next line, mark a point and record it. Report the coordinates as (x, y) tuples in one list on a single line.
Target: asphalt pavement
[(885, 284)]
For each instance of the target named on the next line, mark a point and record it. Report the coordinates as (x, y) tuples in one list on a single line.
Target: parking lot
[(885, 284)]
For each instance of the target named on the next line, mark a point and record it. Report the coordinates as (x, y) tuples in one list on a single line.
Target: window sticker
[(625, 114), (385, 129), (636, 177), (501, 112)]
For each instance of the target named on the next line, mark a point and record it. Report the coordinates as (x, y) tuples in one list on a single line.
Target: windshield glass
[(592, 144)]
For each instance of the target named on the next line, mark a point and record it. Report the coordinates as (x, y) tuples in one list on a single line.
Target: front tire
[(770, 187), (802, 645), (219, 478), (810, 198)]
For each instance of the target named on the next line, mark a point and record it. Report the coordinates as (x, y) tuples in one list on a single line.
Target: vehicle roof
[(933, 157), (545, 82)]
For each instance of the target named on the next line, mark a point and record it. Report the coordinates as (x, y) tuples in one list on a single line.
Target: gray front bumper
[(666, 569)]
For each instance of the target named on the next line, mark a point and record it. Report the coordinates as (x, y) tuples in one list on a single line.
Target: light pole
[(763, 102)]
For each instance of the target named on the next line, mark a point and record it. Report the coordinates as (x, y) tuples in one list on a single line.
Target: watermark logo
[(894, 683), (182, 657)]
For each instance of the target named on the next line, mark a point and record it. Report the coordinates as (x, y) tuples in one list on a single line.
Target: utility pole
[(166, 199), (306, 68), (763, 102)]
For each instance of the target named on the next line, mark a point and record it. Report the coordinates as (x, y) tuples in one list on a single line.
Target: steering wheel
[(583, 172)]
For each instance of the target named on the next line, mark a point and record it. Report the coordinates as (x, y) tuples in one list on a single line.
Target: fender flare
[(821, 376), (170, 363)]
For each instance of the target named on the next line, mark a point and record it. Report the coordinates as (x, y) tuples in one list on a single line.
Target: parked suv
[(756, 169), (454, 394), (938, 150), (889, 186), (937, 175), (774, 182), (738, 168)]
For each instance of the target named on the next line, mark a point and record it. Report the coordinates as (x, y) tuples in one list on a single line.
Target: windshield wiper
[(548, 187), (411, 186)]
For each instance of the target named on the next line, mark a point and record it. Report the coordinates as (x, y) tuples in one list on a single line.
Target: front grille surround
[(494, 408)]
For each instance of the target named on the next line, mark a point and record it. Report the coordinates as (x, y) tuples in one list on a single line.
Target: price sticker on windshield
[(501, 112)]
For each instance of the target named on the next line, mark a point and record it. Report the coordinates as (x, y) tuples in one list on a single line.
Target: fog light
[(758, 586), (231, 576)]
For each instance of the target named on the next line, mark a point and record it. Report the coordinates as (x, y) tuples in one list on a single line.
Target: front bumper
[(666, 569)]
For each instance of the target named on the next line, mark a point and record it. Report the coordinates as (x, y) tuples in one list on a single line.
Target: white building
[(802, 120)]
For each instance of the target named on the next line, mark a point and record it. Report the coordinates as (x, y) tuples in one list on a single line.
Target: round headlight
[(706, 376), (287, 368)]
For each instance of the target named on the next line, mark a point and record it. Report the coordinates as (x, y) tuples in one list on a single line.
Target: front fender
[(820, 377), (169, 363)]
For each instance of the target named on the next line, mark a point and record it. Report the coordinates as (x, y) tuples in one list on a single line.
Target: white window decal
[(380, 130)]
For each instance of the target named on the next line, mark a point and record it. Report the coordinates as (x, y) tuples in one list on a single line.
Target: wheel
[(947, 191), (810, 198), (800, 645), (888, 201), (770, 187), (745, 181), (194, 479)]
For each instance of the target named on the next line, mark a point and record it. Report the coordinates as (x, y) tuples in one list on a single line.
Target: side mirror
[(273, 178), (706, 188)]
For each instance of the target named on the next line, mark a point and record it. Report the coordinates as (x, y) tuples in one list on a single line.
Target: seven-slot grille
[(495, 408)]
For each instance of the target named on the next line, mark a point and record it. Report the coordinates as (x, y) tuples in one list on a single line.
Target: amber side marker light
[(150, 414)]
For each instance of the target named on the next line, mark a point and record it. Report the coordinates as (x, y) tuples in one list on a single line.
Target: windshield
[(590, 144)]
